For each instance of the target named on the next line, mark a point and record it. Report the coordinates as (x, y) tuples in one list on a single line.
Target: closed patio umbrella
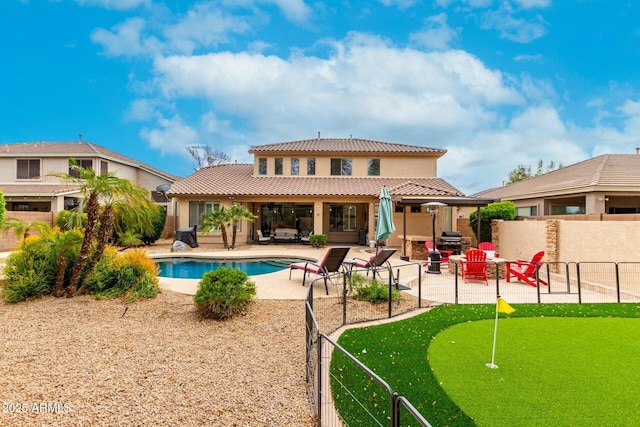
[(385, 225)]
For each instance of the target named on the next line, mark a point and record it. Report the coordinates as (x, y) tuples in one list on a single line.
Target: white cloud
[(515, 29), (531, 4), (115, 4), (436, 34), (400, 4), (126, 39), (294, 10), (171, 136), (203, 26)]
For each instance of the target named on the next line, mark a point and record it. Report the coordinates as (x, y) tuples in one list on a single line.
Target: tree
[(61, 243), (104, 193), (236, 214), (217, 219), (23, 229), (523, 172), (3, 207), (499, 210), (206, 156)]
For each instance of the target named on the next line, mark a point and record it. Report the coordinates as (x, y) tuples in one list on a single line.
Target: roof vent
[(318, 135), (79, 137), (637, 150)]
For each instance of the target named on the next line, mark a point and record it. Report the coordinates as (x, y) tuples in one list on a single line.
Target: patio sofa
[(287, 235)]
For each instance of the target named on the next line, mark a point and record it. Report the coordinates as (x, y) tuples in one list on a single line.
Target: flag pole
[(492, 365)]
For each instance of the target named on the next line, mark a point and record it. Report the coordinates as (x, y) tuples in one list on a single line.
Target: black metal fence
[(423, 286)]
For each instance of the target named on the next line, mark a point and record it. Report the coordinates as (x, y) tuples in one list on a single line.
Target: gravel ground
[(81, 362)]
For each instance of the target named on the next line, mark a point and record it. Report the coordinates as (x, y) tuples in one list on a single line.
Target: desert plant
[(217, 219), (372, 291), (318, 240), (29, 272), (69, 220), (132, 275), (237, 213), (224, 292)]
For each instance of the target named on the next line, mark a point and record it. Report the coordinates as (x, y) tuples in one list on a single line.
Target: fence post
[(617, 282), (319, 379), (390, 290), (579, 283), (395, 411), (419, 285), (344, 299)]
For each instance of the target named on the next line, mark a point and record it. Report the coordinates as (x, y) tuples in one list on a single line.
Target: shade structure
[(385, 224)]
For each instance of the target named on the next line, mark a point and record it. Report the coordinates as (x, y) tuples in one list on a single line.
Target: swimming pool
[(194, 268)]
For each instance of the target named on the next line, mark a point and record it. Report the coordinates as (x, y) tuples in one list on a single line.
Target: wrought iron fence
[(423, 286)]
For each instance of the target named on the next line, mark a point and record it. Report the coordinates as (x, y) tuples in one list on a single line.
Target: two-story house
[(25, 170), (324, 185)]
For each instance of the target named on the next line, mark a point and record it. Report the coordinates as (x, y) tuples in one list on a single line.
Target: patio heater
[(433, 265)]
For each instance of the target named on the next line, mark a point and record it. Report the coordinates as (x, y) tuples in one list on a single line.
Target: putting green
[(551, 371)]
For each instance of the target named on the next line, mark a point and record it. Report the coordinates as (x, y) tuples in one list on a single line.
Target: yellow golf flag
[(504, 307)]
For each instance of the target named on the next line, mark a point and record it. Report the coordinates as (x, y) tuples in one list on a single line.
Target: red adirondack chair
[(474, 266), (525, 271), (488, 247)]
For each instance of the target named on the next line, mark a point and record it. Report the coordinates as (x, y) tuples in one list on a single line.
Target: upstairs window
[(278, 166), (262, 166), (28, 169), (341, 167), (311, 165), (295, 166), (83, 163), (373, 167)]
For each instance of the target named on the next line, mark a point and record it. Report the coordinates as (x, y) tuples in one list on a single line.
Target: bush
[(132, 275), (29, 272), (223, 293), (3, 206), (159, 220), (318, 240), (499, 210), (373, 291)]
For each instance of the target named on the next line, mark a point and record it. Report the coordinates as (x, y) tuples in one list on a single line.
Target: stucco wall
[(8, 239)]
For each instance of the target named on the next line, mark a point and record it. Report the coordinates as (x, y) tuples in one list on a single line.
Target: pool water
[(194, 268)]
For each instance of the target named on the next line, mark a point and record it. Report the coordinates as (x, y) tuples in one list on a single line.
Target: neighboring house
[(324, 185), (607, 184), (27, 186)]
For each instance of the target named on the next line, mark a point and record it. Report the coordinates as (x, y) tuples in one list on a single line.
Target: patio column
[(317, 217)]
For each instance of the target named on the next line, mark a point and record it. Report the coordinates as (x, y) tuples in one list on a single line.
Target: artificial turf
[(557, 364)]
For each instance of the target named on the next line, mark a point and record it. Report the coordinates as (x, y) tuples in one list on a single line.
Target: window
[(278, 166), (83, 163), (342, 218), (28, 169), (567, 210), (104, 167), (311, 166), (295, 166), (527, 211), (262, 166), (197, 209), (341, 167), (373, 167)]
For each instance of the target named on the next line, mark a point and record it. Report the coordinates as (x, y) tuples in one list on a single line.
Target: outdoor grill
[(451, 241)]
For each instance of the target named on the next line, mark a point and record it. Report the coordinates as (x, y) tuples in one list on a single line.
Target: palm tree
[(62, 243), (217, 219), (99, 189), (236, 214), (23, 229)]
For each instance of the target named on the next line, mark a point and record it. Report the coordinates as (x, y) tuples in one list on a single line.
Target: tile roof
[(75, 149), (620, 171), (237, 179), (46, 190), (344, 145)]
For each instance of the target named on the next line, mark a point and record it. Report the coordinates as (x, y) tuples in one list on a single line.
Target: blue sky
[(496, 83)]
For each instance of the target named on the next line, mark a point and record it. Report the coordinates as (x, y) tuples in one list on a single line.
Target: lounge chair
[(526, 271), (380, 258), (261, 239), (331, 263), (474, 266)]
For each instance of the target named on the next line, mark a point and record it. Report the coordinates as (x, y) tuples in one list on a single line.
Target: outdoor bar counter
[(414, 245)]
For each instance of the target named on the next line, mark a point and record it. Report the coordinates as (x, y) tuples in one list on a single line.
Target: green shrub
[(318, 240), (223, 293), (159, 220), (372, 291), (3, 206), (499, 210), (68, 220), (132, 275), (29, 272)]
